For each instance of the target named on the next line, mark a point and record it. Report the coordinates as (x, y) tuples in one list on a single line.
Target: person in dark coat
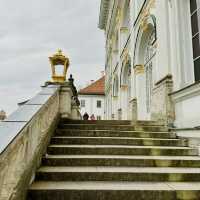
[(85, 116)]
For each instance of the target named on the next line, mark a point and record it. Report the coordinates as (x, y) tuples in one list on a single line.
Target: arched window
[(195, 19), (125, 73), (115, 87), (149, 55), (126, 15)]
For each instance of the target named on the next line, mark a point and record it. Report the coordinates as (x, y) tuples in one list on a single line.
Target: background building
[(92, 99), (152, 60), (2, 115)]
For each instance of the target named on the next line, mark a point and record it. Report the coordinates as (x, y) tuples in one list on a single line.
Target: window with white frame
[(115, 87), (82, 103), (149, 55), (195, 20), (98, 103)]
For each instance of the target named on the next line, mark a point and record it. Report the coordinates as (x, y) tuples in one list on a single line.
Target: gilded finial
[(59, 51)]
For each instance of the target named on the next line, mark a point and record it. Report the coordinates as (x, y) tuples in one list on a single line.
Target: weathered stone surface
[(134, 111), (114, 133), (23, 153), (162, 105), (40, 99), (102, 161), (65, 96), (24, 138), (117, 160), (118, 141)]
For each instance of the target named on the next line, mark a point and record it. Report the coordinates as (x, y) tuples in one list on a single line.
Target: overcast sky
[(32, 30)]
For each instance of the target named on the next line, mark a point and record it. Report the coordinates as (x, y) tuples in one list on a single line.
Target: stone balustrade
[(25, 134)]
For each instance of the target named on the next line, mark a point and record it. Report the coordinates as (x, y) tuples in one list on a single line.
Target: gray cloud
[(30, 31)]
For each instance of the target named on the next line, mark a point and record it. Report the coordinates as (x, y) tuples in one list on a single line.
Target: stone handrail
[(24, 137)]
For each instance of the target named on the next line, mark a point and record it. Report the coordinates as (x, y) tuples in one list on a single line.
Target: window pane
[(196, 46), (195, 25), (82, 103), (98, 104), (193, 5), (197, 69), (195, 20)]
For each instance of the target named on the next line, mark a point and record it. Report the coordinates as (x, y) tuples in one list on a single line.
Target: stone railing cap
[(15, 122), (50, 89), (8, 131), (23, 113), (39, 99)]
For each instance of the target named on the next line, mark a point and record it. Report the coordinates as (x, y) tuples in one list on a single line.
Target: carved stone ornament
[(145, 15), (139, 69)]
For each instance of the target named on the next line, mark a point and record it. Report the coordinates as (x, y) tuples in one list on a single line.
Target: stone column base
[(120, 114), (134, 111), (75, 114)]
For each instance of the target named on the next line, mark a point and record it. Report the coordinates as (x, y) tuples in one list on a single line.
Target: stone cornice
[(104, 9)]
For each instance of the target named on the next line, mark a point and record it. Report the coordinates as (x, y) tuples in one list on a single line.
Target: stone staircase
[(112, 160)]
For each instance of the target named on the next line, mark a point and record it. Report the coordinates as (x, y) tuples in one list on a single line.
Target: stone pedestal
[(75, 113), (68, 99), (162, 108), (120, 114), (134, 111), (65, 100)]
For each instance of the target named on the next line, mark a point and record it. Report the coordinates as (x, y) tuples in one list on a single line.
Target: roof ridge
[(96, 87)]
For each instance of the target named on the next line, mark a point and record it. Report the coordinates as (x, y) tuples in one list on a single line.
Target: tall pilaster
[(163, 35)]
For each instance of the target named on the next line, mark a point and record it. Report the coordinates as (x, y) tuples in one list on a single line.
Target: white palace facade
[(152, 60)]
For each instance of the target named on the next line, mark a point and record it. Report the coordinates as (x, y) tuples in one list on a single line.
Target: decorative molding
[(186, 93), (104, 10), (116, 51), (124, 87), (139, 69), (145, 14), (118, 17), (167, 77), (126, 58), (124, 29)]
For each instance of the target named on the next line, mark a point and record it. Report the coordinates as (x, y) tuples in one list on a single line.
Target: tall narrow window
[(82, 103), (195, 19), (149, 56), (98, 104)]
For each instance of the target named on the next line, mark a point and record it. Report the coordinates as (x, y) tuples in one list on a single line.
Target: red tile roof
[(96, 88)]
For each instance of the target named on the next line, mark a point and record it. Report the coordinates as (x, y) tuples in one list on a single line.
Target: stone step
[(120, 150), (109, 133), (111, 122), (118, 141), (148, 123), (102, 122), (119, 160), (111, 127), (135, 174), (114, 190)]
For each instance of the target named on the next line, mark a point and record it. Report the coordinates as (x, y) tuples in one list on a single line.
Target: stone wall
[(24, 137), (162, 105)]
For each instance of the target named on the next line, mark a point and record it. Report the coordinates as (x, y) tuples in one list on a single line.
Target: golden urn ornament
[(59, 60)]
